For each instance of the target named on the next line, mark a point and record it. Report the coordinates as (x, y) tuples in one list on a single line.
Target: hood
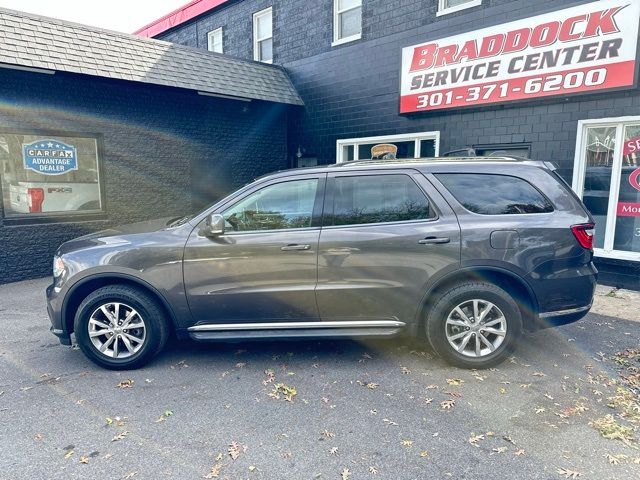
[(118, 234)]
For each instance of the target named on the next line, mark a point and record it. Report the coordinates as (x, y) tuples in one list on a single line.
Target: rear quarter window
[(491, 194)]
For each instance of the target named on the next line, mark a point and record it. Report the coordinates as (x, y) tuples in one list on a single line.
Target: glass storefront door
[(607, 177)]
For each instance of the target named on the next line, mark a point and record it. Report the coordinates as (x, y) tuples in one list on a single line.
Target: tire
[(444, 323), (123, 352)]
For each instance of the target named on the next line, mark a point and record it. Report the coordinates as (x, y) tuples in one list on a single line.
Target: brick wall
[(166, 151), (352, 90)]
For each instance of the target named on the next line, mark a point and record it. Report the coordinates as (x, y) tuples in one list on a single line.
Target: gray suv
[(462, 253)]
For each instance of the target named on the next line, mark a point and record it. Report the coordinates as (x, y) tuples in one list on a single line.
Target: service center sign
[(49, 157), (575, 50)]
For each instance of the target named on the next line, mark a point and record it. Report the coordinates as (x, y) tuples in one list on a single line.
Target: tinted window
[(495, 194), (378, 198), (283, 205)]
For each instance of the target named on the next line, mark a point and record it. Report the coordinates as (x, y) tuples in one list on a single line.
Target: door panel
[(264, 268), (250, 278), (381, 270)]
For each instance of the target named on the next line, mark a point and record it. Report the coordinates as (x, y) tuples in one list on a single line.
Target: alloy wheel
[(117, 330), (476, 328)]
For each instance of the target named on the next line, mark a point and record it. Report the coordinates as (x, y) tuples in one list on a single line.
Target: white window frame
[(211, 35), (417, 137), (336, 24), (579, 171), (444, 10), (256, 40)]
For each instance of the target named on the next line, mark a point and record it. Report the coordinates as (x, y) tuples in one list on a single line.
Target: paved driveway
[(370, 410)]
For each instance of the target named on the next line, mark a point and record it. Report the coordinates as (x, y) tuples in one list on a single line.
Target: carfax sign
[(49, 157), (581, 49)]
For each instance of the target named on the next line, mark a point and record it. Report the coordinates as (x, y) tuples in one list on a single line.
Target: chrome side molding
[(559, 313), (296, 325)]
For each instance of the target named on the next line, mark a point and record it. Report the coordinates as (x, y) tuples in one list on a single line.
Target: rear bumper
[(562, 317), (565, 297)]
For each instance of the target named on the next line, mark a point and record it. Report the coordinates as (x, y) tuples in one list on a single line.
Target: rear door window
[(378, 199), (489, 194)]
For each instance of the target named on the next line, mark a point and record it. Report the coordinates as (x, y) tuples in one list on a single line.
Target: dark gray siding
[(166, 151)]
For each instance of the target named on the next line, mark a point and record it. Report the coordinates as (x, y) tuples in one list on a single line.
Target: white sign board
[(591, 47)]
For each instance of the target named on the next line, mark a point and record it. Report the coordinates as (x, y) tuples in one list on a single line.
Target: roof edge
[(177, 17)]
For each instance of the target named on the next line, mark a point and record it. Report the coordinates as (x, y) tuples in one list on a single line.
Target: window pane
[(627, 234), (264, 26), (350, 23), (266, 50), (598, 154), (378, 198), (344, 4), (49, 174), (427, 148), (347, 153), (283, 205), (215, 41), (494, 194), (455, 3)]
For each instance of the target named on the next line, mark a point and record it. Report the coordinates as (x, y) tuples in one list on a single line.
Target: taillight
[(36, 197), (584, 234)]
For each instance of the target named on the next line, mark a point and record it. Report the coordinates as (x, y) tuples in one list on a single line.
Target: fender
[(445, 276), (122, 276)]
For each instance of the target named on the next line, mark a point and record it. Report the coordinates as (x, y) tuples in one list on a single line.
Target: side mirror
[(214, 225)]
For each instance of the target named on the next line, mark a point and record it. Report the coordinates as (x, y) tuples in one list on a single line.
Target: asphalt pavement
[(318, 410)]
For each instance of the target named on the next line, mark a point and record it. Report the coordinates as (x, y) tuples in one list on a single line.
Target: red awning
[(181, 15)]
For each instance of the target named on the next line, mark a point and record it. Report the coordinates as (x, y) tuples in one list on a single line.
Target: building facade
[(553, 80), (99, 129)]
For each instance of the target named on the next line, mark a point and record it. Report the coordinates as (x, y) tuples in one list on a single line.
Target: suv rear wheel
[(120, 327), (474, 325)]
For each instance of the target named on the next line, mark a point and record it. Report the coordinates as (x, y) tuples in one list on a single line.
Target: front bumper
[(54, 309)]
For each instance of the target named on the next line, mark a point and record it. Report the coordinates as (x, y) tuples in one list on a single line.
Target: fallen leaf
[(568, 473), (455, 381), (120, 436), (447, 404), (518, 453), (215, 471), (424, 454), (500, 449), (407, 443), (389, 422), (84, 459), (538, 374), (474, 439), (128, 383), (235, 449)]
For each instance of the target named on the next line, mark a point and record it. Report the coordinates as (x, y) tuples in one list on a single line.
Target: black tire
[(156, 325), (445, 303)]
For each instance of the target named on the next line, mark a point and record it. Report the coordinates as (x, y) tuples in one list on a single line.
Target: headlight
[(58, 267)]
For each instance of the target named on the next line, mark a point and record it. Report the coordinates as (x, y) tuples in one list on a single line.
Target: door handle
[(434, 240), (294, 246)]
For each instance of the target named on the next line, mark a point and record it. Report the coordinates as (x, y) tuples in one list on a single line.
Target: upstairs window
[(215, 40), (263, 35), (450, 6), (347, 21)]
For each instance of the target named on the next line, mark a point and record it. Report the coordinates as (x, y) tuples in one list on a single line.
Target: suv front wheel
[(474, 325), (120, 327)]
